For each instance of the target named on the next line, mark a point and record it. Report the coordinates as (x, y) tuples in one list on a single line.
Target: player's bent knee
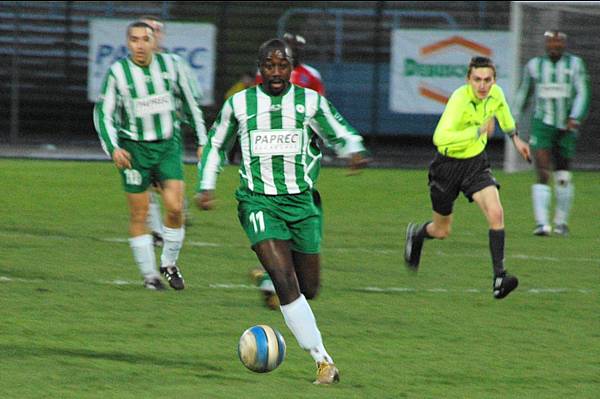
[(496, 217), (138, 215)]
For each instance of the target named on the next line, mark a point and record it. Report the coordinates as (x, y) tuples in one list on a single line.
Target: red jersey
[(305, 76)]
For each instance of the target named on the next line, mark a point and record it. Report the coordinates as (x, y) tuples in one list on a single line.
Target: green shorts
[(293, 217), (151, 161), (546, 137)]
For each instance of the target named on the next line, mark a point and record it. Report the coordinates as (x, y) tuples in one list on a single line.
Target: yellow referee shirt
[(457, 133)]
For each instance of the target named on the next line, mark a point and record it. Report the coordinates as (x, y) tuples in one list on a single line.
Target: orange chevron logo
[(455, 41), (433, 95)]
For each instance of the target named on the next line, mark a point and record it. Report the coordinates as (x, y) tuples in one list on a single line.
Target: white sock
[(301, 322), (154, 219), (565, 192), (541, 195), (173, 240), (143, 253)]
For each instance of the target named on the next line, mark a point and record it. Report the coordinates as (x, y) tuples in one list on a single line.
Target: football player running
[(275, 122)]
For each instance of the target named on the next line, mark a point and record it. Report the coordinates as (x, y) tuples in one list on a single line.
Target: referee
[(461, 165)]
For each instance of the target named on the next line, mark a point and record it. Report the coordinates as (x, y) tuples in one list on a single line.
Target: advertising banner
[(428, 65), (194, 42)]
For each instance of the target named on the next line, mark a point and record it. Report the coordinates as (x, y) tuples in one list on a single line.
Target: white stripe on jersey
[(213, 161), (263, 122), (166, 118), (353, 142), (311, 100), (288, 113), (580, 81), (546, 77), (561, 105), (190, 91), (239, 104), (139, 82), (108, 108), (119, 73)]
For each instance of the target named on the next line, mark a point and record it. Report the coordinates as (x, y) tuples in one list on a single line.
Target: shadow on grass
[(16, 352)]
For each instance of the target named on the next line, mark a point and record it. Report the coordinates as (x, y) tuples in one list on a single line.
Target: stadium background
[(43, 79)]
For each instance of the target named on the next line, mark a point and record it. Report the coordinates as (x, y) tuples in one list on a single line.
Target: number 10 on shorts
[(258, 221)]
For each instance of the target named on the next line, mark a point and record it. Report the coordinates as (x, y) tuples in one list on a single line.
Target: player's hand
[(121, 158), (488, 127), (522, 147), (199, 153), (572, 125), (357, 162), (205, 200)]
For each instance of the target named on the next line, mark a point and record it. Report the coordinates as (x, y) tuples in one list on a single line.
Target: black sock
[(422, 232), (497, 250)]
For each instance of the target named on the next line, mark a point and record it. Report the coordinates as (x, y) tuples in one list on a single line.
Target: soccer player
[(302, 75), (461, 165), (154, 211), (275, 122), (562, 98), (138, 125), (305, 76)]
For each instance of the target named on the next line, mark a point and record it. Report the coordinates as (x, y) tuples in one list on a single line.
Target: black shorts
[(449, 176)]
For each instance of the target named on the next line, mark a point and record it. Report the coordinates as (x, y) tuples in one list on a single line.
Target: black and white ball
[(261, 348)]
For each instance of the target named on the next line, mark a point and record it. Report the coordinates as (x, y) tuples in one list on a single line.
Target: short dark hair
[(138, 24), (271, 45), (481, 62)]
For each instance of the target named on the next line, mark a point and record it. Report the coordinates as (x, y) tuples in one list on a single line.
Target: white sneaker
[(543, 230)]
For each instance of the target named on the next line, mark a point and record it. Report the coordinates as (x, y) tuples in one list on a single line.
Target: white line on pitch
[(338, 249), (226, 286), (190, 243), (476, 290)]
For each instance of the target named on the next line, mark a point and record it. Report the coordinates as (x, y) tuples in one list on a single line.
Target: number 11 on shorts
[(258, 221)]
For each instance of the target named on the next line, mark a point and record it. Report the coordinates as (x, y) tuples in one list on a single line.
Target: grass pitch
[(76, 322)]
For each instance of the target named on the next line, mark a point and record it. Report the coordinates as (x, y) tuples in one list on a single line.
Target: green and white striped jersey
[(562, 89), (141, 103), (275, 134), (186, 69)]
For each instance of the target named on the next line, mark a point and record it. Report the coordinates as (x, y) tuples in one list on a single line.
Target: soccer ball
[(261, 348)]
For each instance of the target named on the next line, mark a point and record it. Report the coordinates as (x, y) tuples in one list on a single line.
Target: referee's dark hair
[(481, 62)]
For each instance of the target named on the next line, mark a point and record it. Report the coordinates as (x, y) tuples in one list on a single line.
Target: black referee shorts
[(449, 176)]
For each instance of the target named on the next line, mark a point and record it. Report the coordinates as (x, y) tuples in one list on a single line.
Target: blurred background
[(45, 47)]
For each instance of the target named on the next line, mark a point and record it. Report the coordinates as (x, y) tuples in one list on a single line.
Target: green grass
[(67, 331)]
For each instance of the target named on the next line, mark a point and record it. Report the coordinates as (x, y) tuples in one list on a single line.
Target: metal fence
[(43, 80)]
